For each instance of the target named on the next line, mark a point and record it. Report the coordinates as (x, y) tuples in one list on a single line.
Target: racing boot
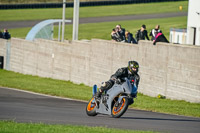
[(105, 86), (98, 94)]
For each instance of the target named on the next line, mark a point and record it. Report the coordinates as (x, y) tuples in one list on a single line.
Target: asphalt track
[(31, 23), (28, 107)]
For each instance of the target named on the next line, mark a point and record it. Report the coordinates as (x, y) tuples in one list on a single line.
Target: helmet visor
[(136, 66)]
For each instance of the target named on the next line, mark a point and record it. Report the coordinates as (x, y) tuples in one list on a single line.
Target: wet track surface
[(27, 107)]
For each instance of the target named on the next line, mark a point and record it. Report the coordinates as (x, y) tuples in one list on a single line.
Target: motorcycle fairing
[(126, 87)]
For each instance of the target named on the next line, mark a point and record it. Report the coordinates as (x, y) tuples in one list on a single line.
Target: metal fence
[(82, 4)]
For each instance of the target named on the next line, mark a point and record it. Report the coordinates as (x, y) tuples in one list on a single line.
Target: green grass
[(45, 85), (103, 30), (28, 1), (13, 127), (82, 92), (38, 1), (95, 11)]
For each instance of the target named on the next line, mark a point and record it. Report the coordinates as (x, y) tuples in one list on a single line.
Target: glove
[(113, 78), (118, 81)]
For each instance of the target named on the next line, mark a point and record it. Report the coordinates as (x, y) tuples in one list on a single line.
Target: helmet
[(133, 65)]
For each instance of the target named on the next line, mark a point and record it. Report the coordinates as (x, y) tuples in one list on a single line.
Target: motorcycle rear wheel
[(91, 108), (120, 108)]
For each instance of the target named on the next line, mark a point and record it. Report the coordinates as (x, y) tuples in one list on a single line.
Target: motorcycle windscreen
[(130, 87), (133, 87)]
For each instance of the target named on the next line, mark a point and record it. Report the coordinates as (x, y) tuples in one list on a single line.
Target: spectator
[(6, 34), (115, 35), (129, 37), (1, 34), (154, 32), (160, 38), (142, 33), (121, 32)]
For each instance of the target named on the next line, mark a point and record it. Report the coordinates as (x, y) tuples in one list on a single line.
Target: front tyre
[(120, 108), (91, 108)]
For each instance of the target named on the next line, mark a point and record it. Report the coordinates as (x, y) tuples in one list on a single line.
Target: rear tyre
[(120, 108), (91, 108)]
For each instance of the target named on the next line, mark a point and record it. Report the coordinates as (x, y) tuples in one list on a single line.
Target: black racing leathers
[(121, 74), (141, 35)]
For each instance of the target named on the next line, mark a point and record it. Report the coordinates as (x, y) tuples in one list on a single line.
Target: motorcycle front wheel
[(91, 108), (120, 108)]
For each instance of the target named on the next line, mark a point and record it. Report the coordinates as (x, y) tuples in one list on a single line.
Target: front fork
[(130, 99), (120, 99)]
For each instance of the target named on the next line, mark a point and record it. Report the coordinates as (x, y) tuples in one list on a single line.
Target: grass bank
[(103, 30), (38, 1), (82, 92), (13, 127), (94, 11)]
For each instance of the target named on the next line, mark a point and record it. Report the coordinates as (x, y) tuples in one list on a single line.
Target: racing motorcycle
[(115, 101)]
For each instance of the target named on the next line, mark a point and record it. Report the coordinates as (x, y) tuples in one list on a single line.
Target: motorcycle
[(115, 101)]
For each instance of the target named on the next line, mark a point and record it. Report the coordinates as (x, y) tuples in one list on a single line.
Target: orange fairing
[(91, 105)]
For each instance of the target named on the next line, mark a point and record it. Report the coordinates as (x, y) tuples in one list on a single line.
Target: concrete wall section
[(167, 69), (153, 70), (170, 70), (184, 73), (3, 50)]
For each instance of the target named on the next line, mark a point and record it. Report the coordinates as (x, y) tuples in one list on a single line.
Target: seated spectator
[(154, 32), (142, 33), (116, 36), (1, 34), (121, 31), (160, 38), (129, 38), (6, 34)]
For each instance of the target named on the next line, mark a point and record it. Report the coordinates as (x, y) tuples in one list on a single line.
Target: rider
[(130, 71)]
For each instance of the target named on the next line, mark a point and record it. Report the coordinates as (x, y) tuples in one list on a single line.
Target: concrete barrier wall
[(167, 69), (3, 50)]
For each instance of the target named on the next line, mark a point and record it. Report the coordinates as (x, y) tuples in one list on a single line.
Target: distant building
[(193, 22), (178, 36), (191, 35)]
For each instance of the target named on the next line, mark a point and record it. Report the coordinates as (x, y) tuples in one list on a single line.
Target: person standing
[(6, 34), (160, 38), (129, 37), (115, 35), (142, 33), (154, 32), (121, 31), (1, 34)]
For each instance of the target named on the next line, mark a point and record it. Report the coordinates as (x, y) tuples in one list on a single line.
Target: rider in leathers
[(130, 71)]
